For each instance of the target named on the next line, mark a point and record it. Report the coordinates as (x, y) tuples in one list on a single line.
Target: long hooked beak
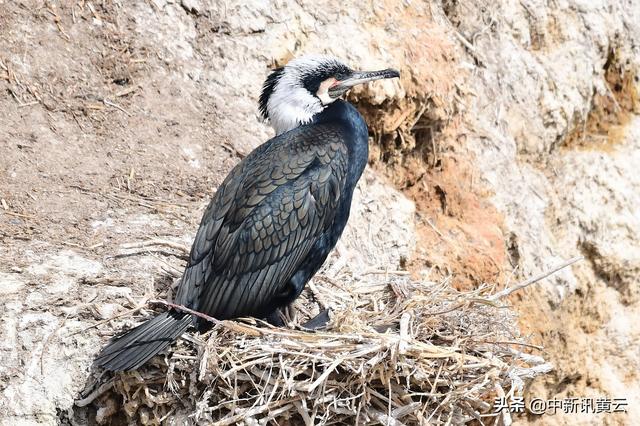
[(360, 77)]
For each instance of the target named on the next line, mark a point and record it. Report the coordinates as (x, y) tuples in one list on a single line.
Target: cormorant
[(276, 216)]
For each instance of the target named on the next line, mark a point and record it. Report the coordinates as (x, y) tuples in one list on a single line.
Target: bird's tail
[(136, 347)]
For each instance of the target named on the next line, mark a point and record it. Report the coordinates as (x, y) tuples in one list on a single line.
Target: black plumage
[(266, 232), (272, 223)]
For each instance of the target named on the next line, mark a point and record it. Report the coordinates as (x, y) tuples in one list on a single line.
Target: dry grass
[(397, 351)]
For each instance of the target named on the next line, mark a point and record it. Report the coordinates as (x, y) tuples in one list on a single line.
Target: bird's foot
[(276, 318), (318, 322)]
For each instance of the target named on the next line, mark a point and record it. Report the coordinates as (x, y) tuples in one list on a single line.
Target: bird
[(277, 215)]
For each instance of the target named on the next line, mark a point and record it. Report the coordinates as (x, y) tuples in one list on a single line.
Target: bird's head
[(293, 94)]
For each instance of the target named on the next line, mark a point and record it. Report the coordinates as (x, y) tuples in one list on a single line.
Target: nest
[(396, 351)]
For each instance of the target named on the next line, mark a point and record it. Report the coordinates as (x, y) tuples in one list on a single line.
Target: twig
[(253, 411), (157, 242), (526, 345), (446, 311), (187, 310), (28, 104), (419, 115), (94, 246), (316, 293), (98, 324), (390, 272), (47, 341), (404, 333), (534, 279), (613, 97), (474, 52), (127, 91), (383, 418), (116, 106), (95, 394), (426, 219), (140, 201), (506, 417), (24, 216), (324, 375), (139, 248), (148, 251)]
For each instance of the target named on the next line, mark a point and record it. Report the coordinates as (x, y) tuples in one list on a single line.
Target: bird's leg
[(275, 318), (289, 312), (284, 299), (281, 316)]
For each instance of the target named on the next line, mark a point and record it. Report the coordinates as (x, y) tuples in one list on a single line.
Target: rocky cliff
[(509, 144)]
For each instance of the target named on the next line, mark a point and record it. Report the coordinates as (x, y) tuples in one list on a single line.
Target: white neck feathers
[(290, 106)]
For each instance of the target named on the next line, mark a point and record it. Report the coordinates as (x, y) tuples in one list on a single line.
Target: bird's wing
[(263, 221)]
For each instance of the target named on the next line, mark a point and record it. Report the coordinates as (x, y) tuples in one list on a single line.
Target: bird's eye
[(340, 76)]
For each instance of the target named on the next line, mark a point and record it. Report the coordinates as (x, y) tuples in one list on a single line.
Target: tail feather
[(136, 347)]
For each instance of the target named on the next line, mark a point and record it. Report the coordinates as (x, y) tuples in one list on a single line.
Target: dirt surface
[(100, 147)]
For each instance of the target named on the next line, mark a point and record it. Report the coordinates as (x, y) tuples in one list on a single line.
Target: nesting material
[(396, 351)]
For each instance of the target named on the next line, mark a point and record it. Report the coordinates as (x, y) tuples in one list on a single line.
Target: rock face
[(513, 131), (556, 144)]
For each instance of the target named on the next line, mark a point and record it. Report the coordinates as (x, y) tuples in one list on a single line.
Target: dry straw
[(396, 351)]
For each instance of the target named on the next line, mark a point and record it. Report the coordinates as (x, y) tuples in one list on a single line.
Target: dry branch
[(535, 279)]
